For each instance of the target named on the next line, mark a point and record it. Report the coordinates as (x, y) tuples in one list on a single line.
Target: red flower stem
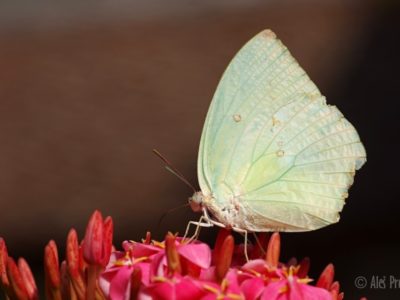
[(91, 282), (99, 293)]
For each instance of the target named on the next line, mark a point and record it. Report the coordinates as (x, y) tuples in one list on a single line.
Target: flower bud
[(65, 281), (52, 271), (326, 279), (225, 257), (51, 264), (108, 238), (304, 267), (93, 249), (17, 283), (3, 264), (273, 250), (73, 264), (172, 254), (222, 234), (28, 279), (97, 243)]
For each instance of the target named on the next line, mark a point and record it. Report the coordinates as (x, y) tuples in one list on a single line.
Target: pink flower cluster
[(175, 268)]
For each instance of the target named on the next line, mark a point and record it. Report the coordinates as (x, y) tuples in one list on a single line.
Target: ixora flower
[(175, 268)]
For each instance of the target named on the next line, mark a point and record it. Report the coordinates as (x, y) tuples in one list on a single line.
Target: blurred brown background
[(88, 89)]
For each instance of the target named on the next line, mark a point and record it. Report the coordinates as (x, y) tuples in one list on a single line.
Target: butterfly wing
[(273, 147)]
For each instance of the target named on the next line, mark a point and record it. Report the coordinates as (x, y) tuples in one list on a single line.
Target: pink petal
[(208, 274), (257, 265), (233, 285), (310, 292), (113, 273), (119, 286), (187, 289), (145, 268), (199, 254), (158, 265), (294, 291), (242, 276), (183, 289), (252, 288), (274, 290), (116, 255), (189, 268), (104, 283), (209, 297), (162, 290), (141, 250), (143, 295)]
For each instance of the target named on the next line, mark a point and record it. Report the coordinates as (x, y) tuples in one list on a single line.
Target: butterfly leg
[(244, 232), (259, 244), (198, 225), (237, 229), (204, 221), (210, 220)]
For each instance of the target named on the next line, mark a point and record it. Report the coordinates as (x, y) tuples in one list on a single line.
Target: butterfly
[(273, 156)]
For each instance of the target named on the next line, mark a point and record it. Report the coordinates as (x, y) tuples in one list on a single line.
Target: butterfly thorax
[(226, 212)]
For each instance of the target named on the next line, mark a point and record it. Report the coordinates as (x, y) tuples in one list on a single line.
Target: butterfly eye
[(195, 205)]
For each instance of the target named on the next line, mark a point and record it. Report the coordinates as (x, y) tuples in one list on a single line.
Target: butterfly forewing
[(271, 143)]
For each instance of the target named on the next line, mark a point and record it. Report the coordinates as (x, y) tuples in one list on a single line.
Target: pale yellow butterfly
[(273, 155)]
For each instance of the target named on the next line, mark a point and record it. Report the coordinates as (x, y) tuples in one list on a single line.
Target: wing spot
[(275, 123), (237, 118), (280, 153)]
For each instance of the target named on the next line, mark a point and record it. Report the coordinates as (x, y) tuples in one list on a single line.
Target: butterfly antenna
[(173, 170), (170, 211)]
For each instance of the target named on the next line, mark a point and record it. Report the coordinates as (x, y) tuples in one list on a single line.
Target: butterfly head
[(196, 201)]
